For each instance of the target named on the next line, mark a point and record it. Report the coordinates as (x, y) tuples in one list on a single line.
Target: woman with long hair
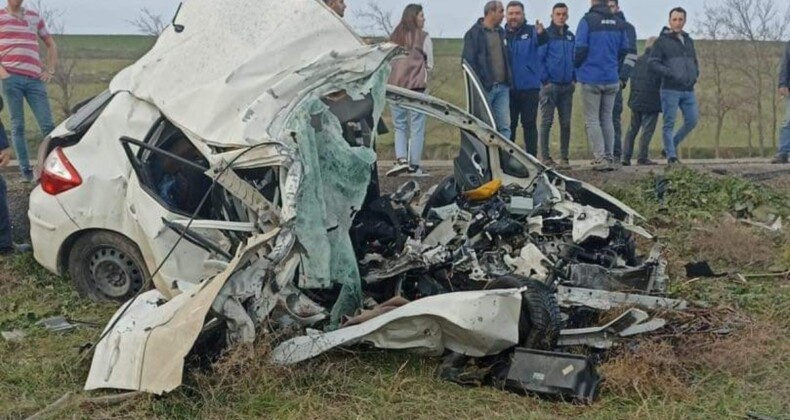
[(410, 71)]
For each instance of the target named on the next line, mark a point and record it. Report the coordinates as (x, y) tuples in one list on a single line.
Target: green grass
[(697, 376)]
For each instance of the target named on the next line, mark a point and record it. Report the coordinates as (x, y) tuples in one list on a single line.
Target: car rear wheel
[(105, 266), (541, 322)]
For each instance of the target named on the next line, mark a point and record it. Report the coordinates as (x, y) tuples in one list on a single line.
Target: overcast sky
[(445, 18)]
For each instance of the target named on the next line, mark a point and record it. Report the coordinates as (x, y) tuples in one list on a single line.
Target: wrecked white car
[(247, 192)]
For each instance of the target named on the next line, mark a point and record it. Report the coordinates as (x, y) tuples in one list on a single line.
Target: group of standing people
[(525, 68)]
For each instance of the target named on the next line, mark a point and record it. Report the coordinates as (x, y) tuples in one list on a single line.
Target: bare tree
[(149, 23), (66, 70), (757, 22), (376, 21), (719, 96)]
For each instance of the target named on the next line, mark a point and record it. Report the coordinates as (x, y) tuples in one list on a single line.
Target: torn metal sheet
[(531, 263), (604, 301), (472, 323), (630, 323), (590, 222), (145, 349), (237, 83), (57, 324)]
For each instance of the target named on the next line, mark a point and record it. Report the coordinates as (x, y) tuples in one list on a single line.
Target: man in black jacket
[(486, 53), (627, 63), (675, 59), (784, 90), (645, 104)]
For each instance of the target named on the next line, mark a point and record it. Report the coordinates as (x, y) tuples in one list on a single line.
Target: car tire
[(541, 321), (106, 266)]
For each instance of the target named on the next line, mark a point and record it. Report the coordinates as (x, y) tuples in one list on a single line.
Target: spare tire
[(540, 323)]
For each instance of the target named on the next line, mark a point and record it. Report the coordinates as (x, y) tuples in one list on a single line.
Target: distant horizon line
[(363, 36)]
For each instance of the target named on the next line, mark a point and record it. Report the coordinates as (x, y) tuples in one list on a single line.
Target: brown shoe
[(549, 162), (565, 164)]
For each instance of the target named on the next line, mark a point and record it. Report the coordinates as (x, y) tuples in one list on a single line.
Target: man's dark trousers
[(617, 120), (524, 106)]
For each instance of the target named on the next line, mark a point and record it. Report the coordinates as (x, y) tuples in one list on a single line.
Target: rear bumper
[(50, 226)]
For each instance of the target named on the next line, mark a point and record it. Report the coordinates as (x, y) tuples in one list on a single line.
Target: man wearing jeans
[(784, 90), (675, 59), (486, 53), (601, 41), (23, 75), (558, 80)]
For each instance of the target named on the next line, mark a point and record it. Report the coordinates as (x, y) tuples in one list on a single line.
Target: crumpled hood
[(236, 67)]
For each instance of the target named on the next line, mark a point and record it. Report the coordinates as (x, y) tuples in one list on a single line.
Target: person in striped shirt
[(23, 75)]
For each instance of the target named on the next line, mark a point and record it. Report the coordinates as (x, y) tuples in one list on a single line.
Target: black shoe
[(780, 159), (663, 154), (16, 249), (673, 162), (645, 162), (625, 162)]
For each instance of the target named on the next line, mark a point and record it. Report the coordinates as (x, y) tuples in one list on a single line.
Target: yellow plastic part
[(485, 192)]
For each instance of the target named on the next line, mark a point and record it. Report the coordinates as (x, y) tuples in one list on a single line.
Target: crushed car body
[(247, 190)]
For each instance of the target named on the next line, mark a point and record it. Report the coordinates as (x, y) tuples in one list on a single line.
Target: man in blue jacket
[(627, 64), (558, 79), (523, 41), (784, 90), (601, 42), (486, 53)]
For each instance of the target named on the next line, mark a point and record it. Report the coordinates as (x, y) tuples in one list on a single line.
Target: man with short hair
[(24, 76), (559, 80), (486, 53), (675, 59), (524, 41), (784, 89), (627, 64), (601, 42), (337, 6)]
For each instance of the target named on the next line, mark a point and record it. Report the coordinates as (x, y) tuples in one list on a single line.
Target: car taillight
[(58, 174)]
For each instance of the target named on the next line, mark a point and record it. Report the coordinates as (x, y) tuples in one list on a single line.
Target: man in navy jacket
[(559, 83), (601, 43), (675, 59), (523, 41)]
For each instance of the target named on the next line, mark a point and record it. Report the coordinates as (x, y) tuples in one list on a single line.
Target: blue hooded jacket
[(601, 44), (523, 46), (556, 56)]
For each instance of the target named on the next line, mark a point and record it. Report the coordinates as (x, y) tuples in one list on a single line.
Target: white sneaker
[(400, 167), (418, 173)]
